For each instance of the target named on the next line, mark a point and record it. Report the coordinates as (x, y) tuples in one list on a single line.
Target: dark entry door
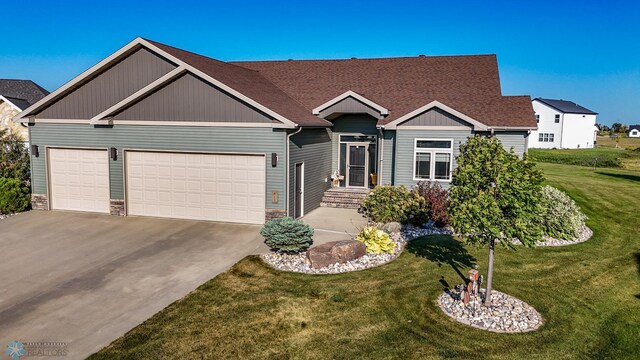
[(298, 190), (356, 165)]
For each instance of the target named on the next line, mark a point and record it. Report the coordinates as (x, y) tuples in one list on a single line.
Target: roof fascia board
[(350, 93), (14, 106), (139, 94), (219, 84), (477, 125), (275, 125), (71, 84)]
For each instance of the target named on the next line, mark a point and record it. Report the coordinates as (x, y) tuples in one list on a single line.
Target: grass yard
[(603, 157), (589, 295), (624, 142)]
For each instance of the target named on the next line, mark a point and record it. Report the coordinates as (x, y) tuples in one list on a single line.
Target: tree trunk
[(487, 296)]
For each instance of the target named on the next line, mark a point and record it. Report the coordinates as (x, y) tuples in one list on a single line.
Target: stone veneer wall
[(7, 112), (39, 202), (116, 207), (270, 214)]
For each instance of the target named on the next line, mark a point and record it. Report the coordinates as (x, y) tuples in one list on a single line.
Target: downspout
[(287, 185), (381, 153)]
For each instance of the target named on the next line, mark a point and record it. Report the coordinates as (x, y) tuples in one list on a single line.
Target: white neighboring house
[(634, 131), (562, 124)]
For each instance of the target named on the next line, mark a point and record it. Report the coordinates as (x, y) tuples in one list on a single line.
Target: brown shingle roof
[(469, 84), (250, 83)]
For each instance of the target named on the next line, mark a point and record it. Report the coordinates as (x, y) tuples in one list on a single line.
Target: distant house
[(562, 124), (634, 131), (15, 96)]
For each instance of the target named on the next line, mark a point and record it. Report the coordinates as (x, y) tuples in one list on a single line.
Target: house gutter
[(286, 154), (381, 153)]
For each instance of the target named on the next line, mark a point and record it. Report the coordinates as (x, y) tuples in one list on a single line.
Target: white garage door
[(79, 180), (216, 187)]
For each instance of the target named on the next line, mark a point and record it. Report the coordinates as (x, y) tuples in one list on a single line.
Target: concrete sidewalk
[(332, 224)]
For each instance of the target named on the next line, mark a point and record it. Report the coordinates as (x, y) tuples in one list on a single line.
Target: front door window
[(357, 160)]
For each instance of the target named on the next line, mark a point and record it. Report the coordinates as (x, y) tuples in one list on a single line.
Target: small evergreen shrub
[(14, 196), (436, 201), (562, 218), (376, 240), (14, 157), (287, 235), (388, 203)]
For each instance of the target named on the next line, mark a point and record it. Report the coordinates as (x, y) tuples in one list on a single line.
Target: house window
[(537, 118), (432, 159), (545, 137), (557, 118)]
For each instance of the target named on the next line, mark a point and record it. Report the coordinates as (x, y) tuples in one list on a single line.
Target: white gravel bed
[(6, 216), (506, 314), (300, 263), (584, 235)]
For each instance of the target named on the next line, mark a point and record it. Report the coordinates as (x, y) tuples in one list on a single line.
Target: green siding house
[(153, 130)]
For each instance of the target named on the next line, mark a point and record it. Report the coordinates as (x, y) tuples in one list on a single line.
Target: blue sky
[(585, 51)]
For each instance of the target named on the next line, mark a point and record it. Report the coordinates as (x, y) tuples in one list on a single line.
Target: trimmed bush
[(14, 157), (388, 203), (436, 201), (287, 235), (562, 218), (14, 196), (376, 240)]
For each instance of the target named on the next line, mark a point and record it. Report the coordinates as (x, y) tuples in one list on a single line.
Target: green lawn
[(588, 294), (602, 157)]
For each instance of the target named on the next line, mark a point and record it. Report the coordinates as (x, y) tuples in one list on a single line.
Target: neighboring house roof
[(469, 84), (565, 106), (21, 93), (634, 127)]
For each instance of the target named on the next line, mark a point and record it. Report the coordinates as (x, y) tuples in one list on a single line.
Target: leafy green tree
[(616, 127), (495, 198), (14, 157)]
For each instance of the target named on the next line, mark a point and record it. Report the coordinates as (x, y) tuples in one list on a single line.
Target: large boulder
[(335, 252), (392, 227)]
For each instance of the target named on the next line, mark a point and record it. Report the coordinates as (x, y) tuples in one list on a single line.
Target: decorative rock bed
[(5, 216), (506, 313), (300, 263), (584, 235)]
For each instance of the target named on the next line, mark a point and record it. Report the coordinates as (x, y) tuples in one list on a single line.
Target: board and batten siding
[(360, 124), (176, 138), (435, 117), (346, 106), (129, 75), (190, 98), (405, 141), (313, 148)]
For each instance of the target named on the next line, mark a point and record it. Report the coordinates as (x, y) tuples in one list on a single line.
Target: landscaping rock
[(391, 227), (505, 314), (584, 235), (335, 252)]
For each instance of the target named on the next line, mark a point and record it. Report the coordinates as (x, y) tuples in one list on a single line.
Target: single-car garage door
[(216, 187), (79, 180)]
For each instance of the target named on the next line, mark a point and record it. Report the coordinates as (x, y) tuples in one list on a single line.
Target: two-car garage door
[(218, 187), (215, 187)]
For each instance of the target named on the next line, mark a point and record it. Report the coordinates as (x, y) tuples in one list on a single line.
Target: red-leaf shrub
[(436, 199)]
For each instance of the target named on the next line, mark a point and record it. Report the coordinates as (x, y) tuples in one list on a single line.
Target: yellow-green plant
[(376, 240)]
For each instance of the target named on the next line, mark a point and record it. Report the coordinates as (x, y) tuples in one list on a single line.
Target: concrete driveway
[(86, 279)]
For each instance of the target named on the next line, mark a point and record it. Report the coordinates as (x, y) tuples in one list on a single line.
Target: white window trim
[(432, 151)]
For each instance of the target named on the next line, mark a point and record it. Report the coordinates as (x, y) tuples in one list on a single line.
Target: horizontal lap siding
[(405, 140), (388, 163), (206, 139), (313, 148), (513, 139)]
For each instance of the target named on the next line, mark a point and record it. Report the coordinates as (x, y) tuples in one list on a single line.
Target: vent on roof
[(354, 58), (422, 55)]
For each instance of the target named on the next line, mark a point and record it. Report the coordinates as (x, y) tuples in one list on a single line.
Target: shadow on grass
[(637, 257), (620, 176), (443, 249)]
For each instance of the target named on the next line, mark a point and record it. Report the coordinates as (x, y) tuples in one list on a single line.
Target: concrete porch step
[(346, 198)]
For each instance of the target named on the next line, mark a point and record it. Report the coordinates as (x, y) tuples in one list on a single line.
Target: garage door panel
[(215, 187), (79, 179)]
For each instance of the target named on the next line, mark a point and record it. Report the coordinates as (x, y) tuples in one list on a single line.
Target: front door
[(357, 165)]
